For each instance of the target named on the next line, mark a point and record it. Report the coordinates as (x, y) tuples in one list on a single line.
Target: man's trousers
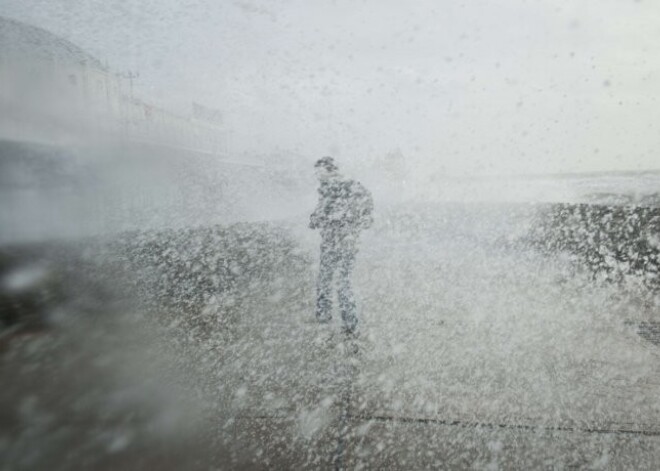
[(338, 252)]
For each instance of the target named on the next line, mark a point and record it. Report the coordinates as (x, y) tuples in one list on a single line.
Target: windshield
[(351, 235)]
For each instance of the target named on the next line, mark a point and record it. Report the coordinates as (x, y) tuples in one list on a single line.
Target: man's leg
[(324, 283), (346, 297)]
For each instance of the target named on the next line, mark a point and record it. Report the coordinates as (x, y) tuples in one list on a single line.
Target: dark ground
[(195, 350)]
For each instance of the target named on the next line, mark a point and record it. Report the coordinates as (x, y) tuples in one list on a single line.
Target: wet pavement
[(468, 358), (530, 374)]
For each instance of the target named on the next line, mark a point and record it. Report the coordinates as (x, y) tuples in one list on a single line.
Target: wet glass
[(471, 280)]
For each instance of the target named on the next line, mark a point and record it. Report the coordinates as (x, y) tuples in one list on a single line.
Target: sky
[(479, 87)]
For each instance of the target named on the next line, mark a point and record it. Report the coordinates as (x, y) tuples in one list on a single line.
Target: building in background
[(52, 90)]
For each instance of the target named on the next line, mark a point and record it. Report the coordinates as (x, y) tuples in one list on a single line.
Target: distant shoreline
[(554, 176)]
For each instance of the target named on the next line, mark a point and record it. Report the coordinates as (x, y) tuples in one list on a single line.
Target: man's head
[(325, 168)]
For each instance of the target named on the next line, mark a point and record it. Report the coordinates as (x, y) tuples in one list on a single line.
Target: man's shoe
[(350, 333)]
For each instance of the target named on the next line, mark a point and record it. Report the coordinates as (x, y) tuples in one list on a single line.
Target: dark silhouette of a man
[(344, 209)]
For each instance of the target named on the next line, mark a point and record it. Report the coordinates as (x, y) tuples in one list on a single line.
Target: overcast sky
[(478, 86)]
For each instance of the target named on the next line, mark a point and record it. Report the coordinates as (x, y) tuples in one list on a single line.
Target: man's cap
[(327, 163)]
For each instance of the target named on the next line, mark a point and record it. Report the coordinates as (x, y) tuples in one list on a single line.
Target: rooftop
[(20, 40)]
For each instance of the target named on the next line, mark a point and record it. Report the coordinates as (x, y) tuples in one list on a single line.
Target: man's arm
[(316, 218)]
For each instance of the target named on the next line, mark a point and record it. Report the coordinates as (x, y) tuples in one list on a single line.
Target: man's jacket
[(344, 206)]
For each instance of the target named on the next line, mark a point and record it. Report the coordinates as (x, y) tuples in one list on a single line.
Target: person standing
[(344, 210)]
